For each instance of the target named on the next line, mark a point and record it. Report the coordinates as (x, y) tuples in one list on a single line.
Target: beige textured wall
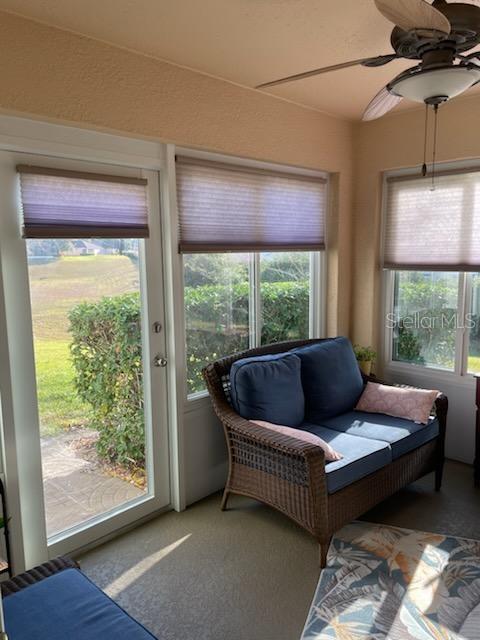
[(52, 74), (394, 142)]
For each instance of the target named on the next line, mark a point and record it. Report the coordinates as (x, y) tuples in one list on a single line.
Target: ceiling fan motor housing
[(438, 78), (464, 35)]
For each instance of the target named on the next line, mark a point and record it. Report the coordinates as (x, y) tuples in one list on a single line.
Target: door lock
[(160, 361)]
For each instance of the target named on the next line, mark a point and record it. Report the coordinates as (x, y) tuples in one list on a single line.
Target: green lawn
[(56, 287), (474, 364), (59, 406)]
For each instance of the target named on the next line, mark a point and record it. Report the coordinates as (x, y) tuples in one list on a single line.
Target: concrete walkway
[(75, 486)]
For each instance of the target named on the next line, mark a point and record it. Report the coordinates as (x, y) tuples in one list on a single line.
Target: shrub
[(285, 311), (408, 346), (217, 324), (106, 352)]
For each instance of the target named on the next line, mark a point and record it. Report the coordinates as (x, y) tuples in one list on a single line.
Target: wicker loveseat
[(290, 475)]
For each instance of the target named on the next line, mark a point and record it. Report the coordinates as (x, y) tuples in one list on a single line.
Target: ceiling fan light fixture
[(435, 85)]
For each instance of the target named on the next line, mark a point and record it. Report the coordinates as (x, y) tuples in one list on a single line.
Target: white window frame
[(459, 374), (318, 269)]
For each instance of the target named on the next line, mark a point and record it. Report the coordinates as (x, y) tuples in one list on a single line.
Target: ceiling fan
[(438, 35)]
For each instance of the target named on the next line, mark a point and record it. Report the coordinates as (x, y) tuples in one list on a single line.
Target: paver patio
[(77, 489)]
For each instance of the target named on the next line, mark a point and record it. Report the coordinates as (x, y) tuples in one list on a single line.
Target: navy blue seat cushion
[(68, 605), (361, 456), (402, 435), (268, 388), (331, 378)]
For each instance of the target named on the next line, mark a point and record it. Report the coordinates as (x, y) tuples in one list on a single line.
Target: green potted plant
[(366, 356)]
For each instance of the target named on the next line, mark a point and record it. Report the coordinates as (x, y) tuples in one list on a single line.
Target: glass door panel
[(87, 326)]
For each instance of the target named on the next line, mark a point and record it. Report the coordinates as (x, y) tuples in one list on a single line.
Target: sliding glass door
[(97, 320)]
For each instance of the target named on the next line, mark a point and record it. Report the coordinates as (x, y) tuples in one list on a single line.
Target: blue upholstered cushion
[(331, 378), (68, 606), (402, 435), (362, 456), (268, 388)]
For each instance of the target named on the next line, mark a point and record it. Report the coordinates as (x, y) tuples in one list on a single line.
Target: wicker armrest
[(270, 438), (260, 449), (265, 437), (265, 450), (37, 574)]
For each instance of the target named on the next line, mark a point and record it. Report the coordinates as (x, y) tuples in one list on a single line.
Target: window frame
[(318, 268), (460, 373)]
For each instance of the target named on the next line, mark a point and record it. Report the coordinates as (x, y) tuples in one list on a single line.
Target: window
[(251, 238), (425, 318), (432, 253), (226, 311)]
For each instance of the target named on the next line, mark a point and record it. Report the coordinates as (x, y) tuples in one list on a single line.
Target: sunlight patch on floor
[(129, 576)]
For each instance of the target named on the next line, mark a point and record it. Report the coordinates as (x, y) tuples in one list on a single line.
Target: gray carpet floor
[(249, 573)]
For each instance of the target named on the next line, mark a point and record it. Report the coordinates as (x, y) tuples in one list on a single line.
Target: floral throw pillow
[(410, 404)]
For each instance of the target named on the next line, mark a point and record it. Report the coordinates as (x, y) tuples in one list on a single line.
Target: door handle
[(159, 361)]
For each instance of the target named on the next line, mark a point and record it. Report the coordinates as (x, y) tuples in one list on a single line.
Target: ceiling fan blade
[(381, 104), (379, 61), (471, 57), (366, 62), (413, 14)]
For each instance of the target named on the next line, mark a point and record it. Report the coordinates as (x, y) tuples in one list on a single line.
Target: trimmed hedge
[(106, 352)]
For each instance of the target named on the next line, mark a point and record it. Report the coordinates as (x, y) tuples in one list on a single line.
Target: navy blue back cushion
[(332, 382), (268, 388)]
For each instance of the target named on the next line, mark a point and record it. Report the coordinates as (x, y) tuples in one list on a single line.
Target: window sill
[(428, 373), (196, 401)]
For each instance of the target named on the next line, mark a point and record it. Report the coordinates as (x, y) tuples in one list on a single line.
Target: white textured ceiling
[(244, 41)]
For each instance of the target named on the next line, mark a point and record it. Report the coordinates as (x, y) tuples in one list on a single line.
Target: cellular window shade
[(435, 230), (225, 207), (70, 204)]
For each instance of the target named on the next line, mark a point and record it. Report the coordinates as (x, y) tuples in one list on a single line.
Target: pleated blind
[(71, 204), (433, 230), (225, 207)]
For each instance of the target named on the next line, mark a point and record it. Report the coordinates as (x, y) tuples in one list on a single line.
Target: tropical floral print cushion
[(390, 583)]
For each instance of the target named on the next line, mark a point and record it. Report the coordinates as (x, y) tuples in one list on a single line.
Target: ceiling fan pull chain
[(434, 154), (424, 166)]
